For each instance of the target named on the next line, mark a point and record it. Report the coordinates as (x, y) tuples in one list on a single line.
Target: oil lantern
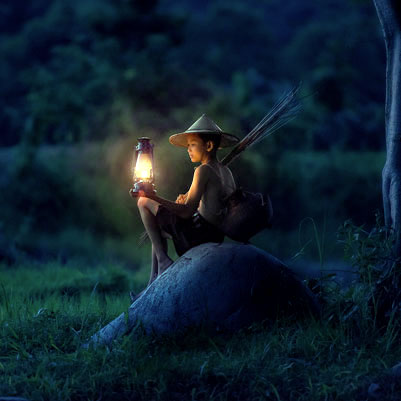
[(142, 166)]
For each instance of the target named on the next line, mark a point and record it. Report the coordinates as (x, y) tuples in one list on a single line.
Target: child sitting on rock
[(194, 218)]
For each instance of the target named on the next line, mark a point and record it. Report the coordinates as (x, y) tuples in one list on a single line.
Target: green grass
[(47, 311)]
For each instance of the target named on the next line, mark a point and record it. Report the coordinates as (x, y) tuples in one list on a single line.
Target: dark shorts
[(187, 233)]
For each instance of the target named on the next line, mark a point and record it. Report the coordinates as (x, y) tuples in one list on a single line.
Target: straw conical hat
[(204, 125)]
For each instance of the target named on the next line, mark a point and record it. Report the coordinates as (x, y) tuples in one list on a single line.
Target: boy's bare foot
[(133, 296), (163, 266), (151, 280)]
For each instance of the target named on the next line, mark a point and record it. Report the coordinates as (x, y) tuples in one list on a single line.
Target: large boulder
[(219, 286)]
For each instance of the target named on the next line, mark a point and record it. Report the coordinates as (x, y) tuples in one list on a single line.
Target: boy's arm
[(198, 186)]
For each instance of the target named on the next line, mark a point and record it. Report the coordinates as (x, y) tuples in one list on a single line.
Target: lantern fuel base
[(143, 167)]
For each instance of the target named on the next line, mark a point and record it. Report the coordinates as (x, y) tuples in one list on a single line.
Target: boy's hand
[(181, 198), (136, 194)]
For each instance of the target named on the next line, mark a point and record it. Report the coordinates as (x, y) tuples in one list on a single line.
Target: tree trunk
[(389, 12)]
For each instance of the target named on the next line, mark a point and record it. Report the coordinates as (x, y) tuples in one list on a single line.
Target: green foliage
[(369, 251), (42, 329), (74, 71), (92, 74), (98, 74), (66, 201), (334, 183), (81, 66)]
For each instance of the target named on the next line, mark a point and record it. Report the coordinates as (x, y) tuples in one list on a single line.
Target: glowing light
[(144, 168)]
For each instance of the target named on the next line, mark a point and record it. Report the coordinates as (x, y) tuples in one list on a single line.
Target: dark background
[(80, 81)]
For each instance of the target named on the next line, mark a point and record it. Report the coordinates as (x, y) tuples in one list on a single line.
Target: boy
[(194, 217)]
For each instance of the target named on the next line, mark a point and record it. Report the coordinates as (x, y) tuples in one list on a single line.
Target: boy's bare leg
[(148, 209), (155, 264), (161, 269), (154, 269), (153, 273), (160, 259)]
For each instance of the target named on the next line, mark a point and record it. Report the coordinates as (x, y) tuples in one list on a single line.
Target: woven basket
[(247, 214)]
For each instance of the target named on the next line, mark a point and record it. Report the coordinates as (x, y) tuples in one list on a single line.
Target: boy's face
[(197, 149)]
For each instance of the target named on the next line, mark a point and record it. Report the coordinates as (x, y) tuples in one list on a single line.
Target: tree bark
[(389, 13)]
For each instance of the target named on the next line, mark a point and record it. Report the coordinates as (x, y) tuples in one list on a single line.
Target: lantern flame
[(143, 168)]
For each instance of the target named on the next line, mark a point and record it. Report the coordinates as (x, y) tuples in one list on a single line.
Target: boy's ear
[(209, 146)]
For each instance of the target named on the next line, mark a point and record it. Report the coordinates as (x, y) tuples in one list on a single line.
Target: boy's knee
[(142, 202)]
